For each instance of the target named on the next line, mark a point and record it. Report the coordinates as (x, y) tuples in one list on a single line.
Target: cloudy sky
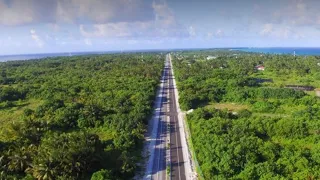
[(42, 26)]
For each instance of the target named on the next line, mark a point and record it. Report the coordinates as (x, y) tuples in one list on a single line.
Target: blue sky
[(43, 26)]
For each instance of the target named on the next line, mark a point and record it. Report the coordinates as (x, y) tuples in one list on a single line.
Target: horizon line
[(148, 50)]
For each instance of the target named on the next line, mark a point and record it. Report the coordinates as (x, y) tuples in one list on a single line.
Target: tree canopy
[(80, 117), (264, 130)]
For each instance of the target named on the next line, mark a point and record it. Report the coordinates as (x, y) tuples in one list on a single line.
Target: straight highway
[(166, 160)]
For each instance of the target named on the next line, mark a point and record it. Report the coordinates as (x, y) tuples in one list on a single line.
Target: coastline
[(281, 51)]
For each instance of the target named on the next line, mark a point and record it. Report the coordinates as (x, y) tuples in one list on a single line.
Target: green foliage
[(275, 137), (90, 116), (102, 175), (264, 107), (244, 113), (12, 94), (234, 147), (67, 154)]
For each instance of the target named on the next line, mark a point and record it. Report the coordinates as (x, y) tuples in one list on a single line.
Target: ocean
[(274, 50), (5, 58)]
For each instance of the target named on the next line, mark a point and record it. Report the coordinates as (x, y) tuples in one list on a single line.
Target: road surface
[(164, 146), (177, 159)]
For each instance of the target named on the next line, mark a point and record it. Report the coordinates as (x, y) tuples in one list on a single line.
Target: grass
[(282, 111), (283, 80), (228, 106), (105, 134), (12, 115), (311, 93), (269, 114), (292, 108), (238, 107), (302, 143)]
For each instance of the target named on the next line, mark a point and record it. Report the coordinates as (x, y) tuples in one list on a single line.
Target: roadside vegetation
[(246, 123), (75, 117)]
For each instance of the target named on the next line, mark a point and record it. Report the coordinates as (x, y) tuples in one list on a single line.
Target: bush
[(244, 113), (264, 107), (102, 175), (7, 104)]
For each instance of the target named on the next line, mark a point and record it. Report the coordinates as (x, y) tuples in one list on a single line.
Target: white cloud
[(54, 26), (164, 15), (88, 42), (219, 33), (130, 29), (17, 12), (22, 13), (318, 20), (209, 35), (267, 29), (192, 31), (298, 13), (282, 32), (286, 19), (164, 24), (133, 42), (101, 11), (122, 29), (36, 38)]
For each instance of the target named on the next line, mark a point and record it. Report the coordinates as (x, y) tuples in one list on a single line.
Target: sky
[(49, 26)]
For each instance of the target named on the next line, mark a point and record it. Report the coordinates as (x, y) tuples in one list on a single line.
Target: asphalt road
[(177, 161), (159, 157), (164, 139)]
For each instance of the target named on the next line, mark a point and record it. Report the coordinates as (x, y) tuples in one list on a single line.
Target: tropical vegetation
[(79, 117), (247, 124)]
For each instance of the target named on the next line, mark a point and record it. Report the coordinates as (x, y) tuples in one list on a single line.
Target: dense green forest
[(246, 124), (78, 117)]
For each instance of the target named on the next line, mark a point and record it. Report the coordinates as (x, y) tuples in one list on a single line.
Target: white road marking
[(159, 157), (177, 151)]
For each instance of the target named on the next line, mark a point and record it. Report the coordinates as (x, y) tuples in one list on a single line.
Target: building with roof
[(260, 68), (211, 57)]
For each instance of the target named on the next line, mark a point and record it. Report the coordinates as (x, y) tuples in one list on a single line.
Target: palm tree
[(21, 159), (42, 172), (3, 167), (18, 162)]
